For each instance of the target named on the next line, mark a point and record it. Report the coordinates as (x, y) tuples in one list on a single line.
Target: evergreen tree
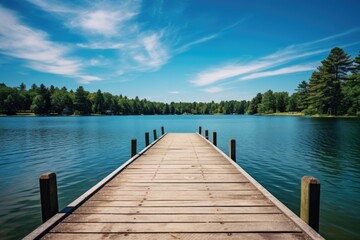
[(268, 103), (351, 90), (81, 102), (327, 82), (254, 104), (302, 96), (282, 100)]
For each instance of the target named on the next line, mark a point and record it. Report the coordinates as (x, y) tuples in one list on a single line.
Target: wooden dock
[(180, 187)]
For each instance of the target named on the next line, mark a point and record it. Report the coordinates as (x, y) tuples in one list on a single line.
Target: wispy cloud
[(150, 53), (198, 41), (214, 89), (34, 47), (174, 92), (88, 79), (106, 27), (281, 71), (277, 59)]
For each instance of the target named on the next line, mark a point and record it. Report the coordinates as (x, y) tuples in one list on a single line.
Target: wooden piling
[(214, 138), (147, 139), (200, 130), (155, 136), (162, 130), (232, 149), (133, 147), (48, 195), (310, 201), (207, 134)]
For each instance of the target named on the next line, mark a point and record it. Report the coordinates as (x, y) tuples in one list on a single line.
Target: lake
[(276, 150)]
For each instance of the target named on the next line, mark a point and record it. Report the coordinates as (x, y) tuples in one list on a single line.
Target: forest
[(333, 89)]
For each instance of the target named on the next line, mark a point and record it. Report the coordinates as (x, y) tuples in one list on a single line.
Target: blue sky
[(167, 50)]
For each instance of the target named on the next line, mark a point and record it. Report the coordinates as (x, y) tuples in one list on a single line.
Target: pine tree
[(325, 84), (336, 67), (302, 94)]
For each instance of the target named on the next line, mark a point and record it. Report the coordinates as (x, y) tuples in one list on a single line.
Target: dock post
[(214, 138), (155, 137), (133, 147), (48, 195), (147, 139), (200, 130), (162, 130), (232, 149), (310, 201), (207, 134)]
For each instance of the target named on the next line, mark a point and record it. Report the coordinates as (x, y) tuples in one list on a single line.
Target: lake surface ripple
[(276, 151)]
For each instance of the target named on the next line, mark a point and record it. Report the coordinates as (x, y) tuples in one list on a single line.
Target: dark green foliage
[(282, 101), (82, 104), (326, 83), (302, 96), (268, 103), (254, 104), (38, 105)]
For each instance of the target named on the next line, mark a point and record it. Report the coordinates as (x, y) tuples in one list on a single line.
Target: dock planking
[(181, 187)]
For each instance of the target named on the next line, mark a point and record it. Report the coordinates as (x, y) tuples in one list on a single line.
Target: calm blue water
[(276, 151)]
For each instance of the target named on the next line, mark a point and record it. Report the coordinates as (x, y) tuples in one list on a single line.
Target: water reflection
[(276, 151)]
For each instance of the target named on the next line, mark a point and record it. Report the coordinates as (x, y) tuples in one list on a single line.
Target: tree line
[(333, 89)]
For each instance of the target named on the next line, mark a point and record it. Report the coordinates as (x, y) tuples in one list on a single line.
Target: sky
[(173, 50)]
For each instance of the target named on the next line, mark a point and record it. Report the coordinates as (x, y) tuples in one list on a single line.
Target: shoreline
[(283, 114)]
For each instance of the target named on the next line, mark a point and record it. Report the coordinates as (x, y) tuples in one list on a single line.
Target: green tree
[(268, 103), (351, 90), (38, 105), (302, 96), (325, 84), (61, 102), (81, 102), (281, 100), (98, 103), (254, 104)]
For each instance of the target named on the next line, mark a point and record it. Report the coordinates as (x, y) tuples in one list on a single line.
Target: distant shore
[(286, 114)]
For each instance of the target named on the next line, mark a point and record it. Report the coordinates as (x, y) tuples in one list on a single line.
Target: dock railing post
[(147, 139), (232, 149), (200, 130), (48, 195), (310, 201), (155, 136), (133, 147), (214, 138), (207, 134), (162, 130)]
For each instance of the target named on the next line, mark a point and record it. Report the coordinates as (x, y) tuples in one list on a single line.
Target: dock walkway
[(181, 187)]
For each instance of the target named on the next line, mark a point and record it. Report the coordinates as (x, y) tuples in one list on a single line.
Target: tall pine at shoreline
[(325, 93)]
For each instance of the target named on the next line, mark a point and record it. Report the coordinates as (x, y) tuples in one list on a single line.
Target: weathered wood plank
[(177, 210), (176, 227), (177, 236), (104, 218)]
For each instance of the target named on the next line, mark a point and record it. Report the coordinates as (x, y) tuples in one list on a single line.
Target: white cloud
[(20, 41), (101, 21), (155, 54), (198, 41), (174, 92), (34, 47), (215, 89), (87, 79), (284, 56), (281, 71), (101, 45)]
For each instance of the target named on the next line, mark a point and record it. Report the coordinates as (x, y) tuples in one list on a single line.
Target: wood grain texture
[(179, 188)]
